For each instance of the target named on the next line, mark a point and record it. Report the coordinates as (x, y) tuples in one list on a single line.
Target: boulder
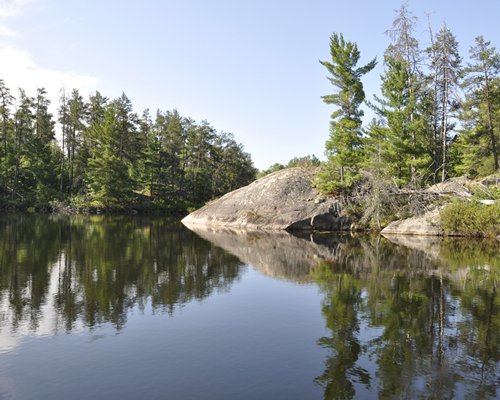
[(454, 186), (426, 224), (283, 200)]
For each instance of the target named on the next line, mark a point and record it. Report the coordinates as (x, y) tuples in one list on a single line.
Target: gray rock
[(453, 186), (426, 224), (279, 201)]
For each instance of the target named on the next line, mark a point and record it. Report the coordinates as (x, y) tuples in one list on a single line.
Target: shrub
[(471, 218)]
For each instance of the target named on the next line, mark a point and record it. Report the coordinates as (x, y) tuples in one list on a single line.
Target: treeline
[(436, 116), (108, 156)]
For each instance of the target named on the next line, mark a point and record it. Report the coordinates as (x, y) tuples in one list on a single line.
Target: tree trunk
[(61, 181), (490, 122), (444, 120)]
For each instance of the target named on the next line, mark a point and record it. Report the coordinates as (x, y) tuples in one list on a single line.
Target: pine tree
[(21, 179), (403, 147), (198, 167), (144, 171), (76, 110), (343, 148), (445, 65), (6, 100), (481, 104), (108, 174), (45, 152), (63, 118)]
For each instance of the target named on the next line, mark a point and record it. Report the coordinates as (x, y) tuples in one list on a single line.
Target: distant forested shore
[(108, 157)]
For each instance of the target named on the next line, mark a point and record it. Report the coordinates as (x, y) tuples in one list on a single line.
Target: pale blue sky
[(247, 67)]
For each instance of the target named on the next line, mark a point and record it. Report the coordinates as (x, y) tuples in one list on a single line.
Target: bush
[(471, 219)]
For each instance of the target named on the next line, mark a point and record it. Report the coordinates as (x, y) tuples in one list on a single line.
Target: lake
[(109, 307)]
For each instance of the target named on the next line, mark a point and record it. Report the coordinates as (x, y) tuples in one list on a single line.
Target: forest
[(436, 116), (107, 156)]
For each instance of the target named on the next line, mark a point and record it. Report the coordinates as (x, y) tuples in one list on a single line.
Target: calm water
[(132, 307)]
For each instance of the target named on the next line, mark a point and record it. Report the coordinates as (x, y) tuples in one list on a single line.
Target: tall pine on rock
[(479, 142), (401, 142), (445, 65), (343, 148)]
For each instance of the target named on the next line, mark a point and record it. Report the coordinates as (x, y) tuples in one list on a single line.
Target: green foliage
[(330, 180), (486, 193), (110, 158), (344, 147), (478, 143), (109, 169), (471, 219), (407, 312), (398, 140), (423, 132)]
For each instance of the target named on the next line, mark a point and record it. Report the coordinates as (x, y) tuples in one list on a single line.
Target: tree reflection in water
[(431, 320), (92, 269), (419, 320), (416, 320)]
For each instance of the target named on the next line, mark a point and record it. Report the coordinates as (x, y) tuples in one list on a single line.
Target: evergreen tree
[(198, 163), (445, 65), (482, 102), (44, 157), (144, 171), (172, 155), (63, 118), (21, 179), (108, 175), (95, 114), (6, 100), (96, 109), (129, 141), (403, 146), (232, 167), (75, 126), (109, 157), (344, 145)]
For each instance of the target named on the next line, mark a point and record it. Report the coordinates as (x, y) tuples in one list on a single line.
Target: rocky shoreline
[(284, 200), (287, 200)]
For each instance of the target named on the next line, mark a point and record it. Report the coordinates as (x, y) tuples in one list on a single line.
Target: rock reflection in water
[(277, 254), (416, 319)]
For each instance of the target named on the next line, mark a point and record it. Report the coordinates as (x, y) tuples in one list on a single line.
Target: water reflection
[(407, 317), (275, 254), (59, 272), (431, 331)]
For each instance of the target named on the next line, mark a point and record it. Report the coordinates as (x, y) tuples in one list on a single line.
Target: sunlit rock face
[(284, 200), (426, 224)]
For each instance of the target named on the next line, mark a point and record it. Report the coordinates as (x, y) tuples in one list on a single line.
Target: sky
[(249, 67)]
